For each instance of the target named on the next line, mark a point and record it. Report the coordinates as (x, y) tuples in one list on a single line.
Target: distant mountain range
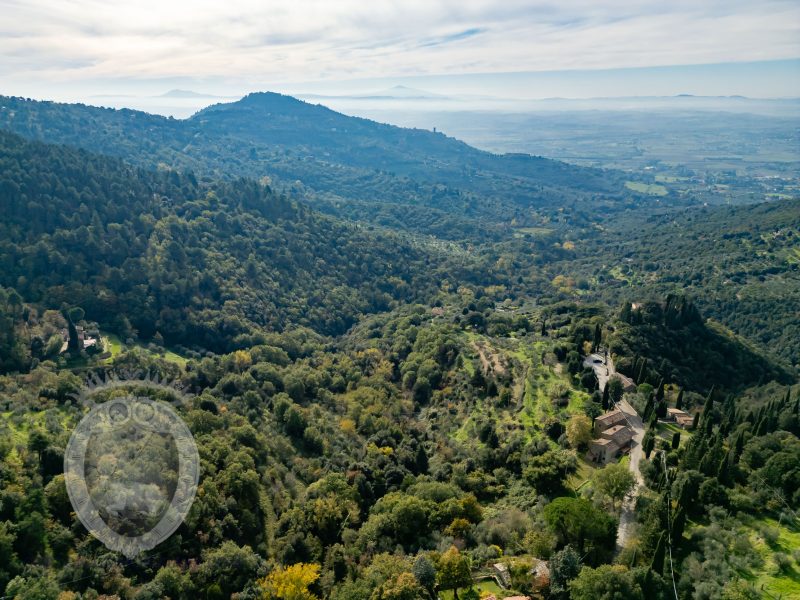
[(398, 92), (356, 168), (186, 94)]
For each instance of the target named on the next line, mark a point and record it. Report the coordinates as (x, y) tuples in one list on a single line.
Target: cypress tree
[(723, 472), (73, 315), (653, 423), (657, 564), (649, 586), (676, 440), (709, 465), (708, 426), (605, 396), (678, 525), (661, 409), (625, 313), (687, 495), (709, 403), (696, 449), (421, 460), (729, 413), (648, 408), (660, 390), (738, 447), (679, 401), (695, 421), (708, 406), (648, 443), (642, 370)]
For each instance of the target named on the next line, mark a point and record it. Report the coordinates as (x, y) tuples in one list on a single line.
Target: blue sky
[(517, 48)]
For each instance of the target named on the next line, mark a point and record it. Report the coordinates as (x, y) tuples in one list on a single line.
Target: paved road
[(627, 516), (604, 369)]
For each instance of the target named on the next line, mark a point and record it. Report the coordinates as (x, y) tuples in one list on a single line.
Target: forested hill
[(204, 265), (291, 123), (670, 341), (403, 178), (741, 264)]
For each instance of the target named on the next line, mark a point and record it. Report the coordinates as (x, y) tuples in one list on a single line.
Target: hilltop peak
[(262, 102), (269, 98)]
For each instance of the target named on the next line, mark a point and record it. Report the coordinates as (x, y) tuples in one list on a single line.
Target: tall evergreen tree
[(648, 408), (678, 525), (640, 377), (738, 446), (648, 443), (709, 404), (724, 475), (657, 564)]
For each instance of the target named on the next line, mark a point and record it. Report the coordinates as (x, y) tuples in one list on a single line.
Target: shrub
[(782, 562)]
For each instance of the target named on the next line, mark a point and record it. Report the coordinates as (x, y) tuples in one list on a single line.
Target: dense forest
[(669, 341), (741, 264), (202, 264), (394, 390), (414, 180)]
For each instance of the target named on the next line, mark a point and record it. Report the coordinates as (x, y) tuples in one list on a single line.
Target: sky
[(77, 49)]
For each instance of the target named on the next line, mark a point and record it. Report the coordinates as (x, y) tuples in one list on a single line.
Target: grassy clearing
[(665, 431), (172, 357), (669, 179), (19, 432), (468, 367), (582, 476), (541, 393), (794, 256), (534, 231), (616, 273), (577, 400), (115, 346), (786, 583), (112, 344), (651, 189), (487, 585)]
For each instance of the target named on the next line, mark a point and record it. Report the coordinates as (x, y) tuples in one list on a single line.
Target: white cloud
[(301, 40)]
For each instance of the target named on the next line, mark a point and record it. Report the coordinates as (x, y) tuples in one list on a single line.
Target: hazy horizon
[(523, 49), (704, 87)]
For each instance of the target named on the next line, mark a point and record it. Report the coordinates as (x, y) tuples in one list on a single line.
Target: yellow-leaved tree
[(579, 430), (290, 583)]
